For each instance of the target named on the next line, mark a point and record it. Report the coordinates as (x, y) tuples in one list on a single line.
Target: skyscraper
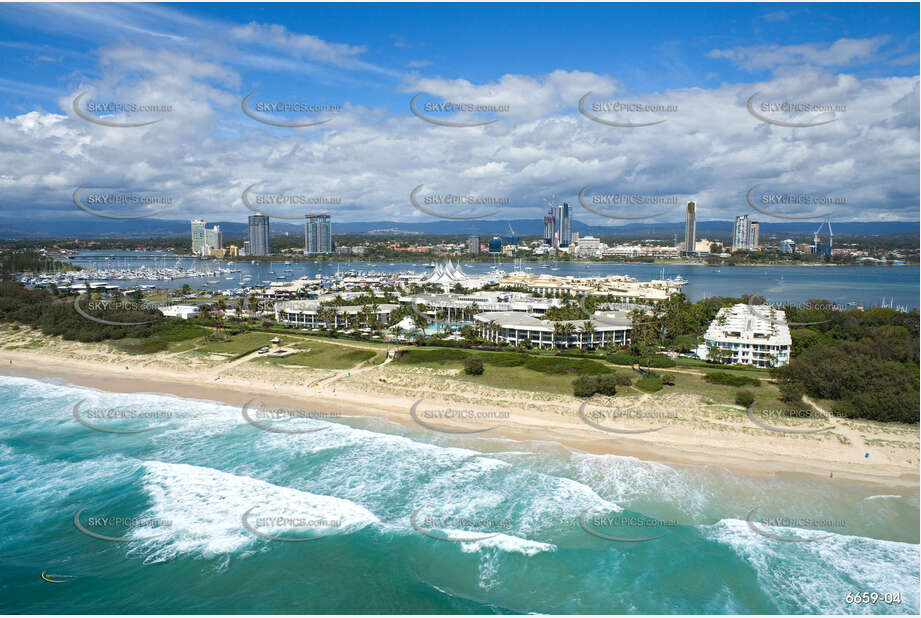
[(563, 225), (473, 245), (198, 236), (317, 234), (753, 240), (550, 228), (213, 239), (259, 235), (740, 233), (690, 228)]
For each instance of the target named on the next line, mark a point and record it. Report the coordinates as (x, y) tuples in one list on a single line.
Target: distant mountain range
[(147, 228)]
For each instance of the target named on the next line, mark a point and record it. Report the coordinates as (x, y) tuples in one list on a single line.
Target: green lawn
[(325, 356), (237, 344)]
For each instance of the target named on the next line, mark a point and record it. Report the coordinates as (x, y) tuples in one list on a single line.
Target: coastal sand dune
[(688, 429)]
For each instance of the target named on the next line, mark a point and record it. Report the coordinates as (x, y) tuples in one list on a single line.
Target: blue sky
[(706, 59)]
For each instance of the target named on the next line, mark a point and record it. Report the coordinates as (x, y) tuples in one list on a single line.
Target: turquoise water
[(357, 483)]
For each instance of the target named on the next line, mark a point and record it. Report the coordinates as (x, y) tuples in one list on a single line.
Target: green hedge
[(728, 379)]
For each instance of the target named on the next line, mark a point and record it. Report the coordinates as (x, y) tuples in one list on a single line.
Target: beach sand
[(690, 432)]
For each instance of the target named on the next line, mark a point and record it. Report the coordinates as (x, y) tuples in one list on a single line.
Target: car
[(264, 349)]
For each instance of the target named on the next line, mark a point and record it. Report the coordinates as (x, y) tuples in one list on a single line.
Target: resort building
[(610, 328), (621, 287), (457, 306), (311, 314), (747, 335)]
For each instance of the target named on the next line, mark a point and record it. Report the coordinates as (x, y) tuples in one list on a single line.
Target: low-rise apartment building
[(747, 335), (614, 328)]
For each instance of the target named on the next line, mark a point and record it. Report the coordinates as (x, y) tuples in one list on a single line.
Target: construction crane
[(816, 239)]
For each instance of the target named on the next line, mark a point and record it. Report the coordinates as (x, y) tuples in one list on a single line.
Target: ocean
[(207, 513)]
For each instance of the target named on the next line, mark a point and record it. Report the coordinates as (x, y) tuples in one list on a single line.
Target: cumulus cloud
[(206, 152)]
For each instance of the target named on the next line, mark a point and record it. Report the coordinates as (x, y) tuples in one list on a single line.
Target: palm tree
[(589, 329), (492, 329)]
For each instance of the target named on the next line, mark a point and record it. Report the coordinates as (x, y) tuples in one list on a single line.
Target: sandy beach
[(688, 431)]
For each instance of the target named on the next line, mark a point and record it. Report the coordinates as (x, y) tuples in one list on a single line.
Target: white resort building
[(622, 287), (455, 306), (747, 335), (612, 328), (310, 314)]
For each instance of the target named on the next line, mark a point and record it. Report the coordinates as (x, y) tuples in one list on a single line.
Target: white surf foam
[(815, 577), (204, 508)]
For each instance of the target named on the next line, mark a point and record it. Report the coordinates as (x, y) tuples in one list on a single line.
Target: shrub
[(432, 355), (622, 379), (791, 392), (563, 366), (622, 358), (584, 386), (728, 379), (473, 366), (657, 361), (607, 385), (745, 398), (650, 383), (504, 359)]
